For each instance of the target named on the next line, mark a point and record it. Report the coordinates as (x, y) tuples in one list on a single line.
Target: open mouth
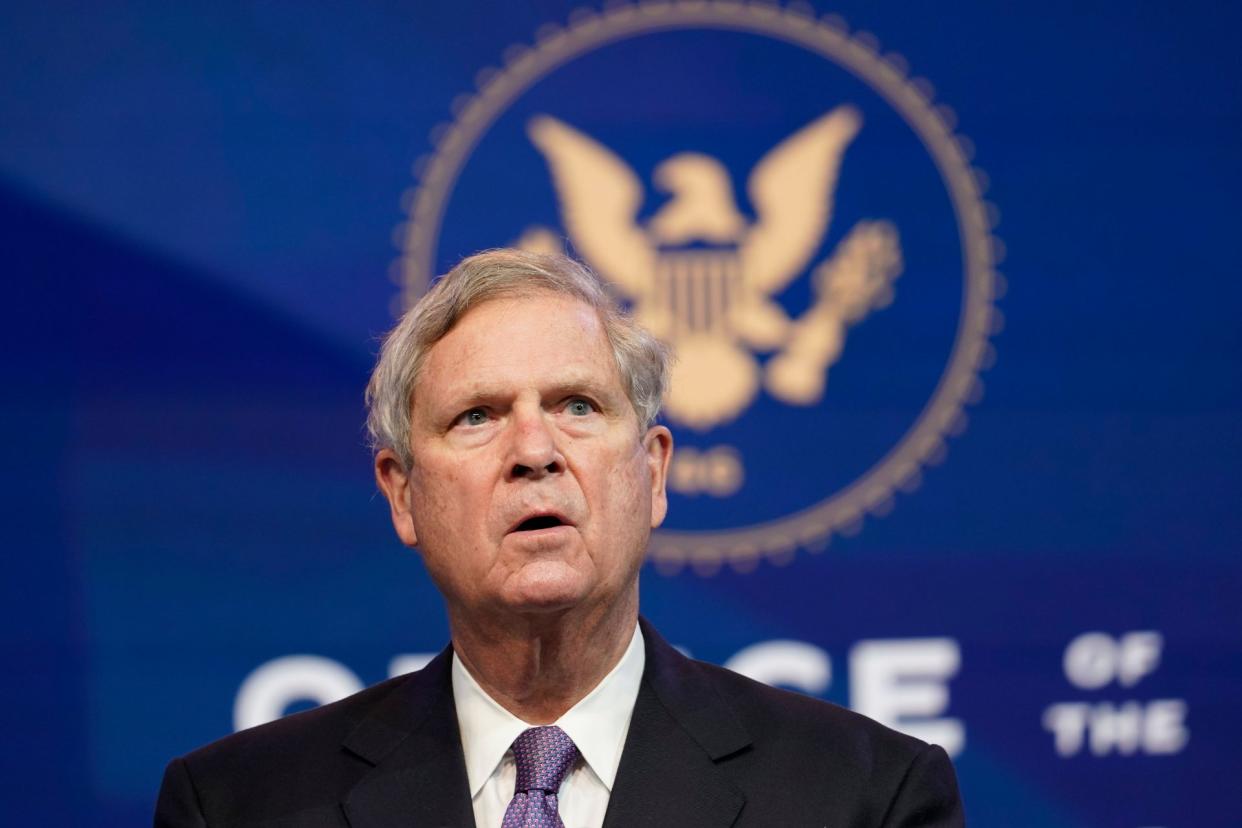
[(532, 524)]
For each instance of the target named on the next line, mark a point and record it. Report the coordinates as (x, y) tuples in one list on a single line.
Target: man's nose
[(534, 450)]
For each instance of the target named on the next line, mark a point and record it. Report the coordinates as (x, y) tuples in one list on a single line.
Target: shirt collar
[(597, 724)]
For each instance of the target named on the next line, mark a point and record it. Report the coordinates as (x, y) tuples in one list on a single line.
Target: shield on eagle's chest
[(714, 378)]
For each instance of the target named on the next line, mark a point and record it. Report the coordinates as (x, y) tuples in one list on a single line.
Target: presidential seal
[(781, 203)]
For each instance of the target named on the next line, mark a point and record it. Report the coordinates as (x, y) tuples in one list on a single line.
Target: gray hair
[(642, 360)]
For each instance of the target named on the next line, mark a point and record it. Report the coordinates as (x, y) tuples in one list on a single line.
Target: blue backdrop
[(1001, 512)]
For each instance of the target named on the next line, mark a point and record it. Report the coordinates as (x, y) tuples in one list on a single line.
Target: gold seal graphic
[(713, 305), (702, 276)]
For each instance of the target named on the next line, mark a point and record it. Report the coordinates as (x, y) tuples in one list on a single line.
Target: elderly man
[(512, 414)]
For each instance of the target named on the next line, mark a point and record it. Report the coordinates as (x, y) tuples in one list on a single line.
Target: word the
[(1155, 728)]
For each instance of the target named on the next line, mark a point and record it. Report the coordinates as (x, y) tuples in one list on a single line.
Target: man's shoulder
[(301, 766), (844, 767), (300, 734), (841, 762), (801, 720), (766, 714)]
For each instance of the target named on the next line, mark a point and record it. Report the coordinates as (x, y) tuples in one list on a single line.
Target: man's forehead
[(529, 312), (542, 336)]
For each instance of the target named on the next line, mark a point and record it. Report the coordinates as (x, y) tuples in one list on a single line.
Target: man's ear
[(393, 480), (658, 443)]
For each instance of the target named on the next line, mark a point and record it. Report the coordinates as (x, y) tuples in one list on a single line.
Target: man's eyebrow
[(587, 384), (483, 391)]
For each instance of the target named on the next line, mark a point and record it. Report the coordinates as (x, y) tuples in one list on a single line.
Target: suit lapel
[(669, 773), (418, 774), (679, 731)]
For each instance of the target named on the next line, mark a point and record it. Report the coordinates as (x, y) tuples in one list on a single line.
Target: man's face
[(531, 489)]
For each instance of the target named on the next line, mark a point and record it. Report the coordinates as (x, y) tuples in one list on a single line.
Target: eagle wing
[(791, 190), (600, 198)]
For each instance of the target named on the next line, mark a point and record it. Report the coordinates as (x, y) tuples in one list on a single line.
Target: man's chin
[(545, 587)]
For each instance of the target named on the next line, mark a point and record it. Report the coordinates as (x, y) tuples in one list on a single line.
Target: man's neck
[(538, 667)]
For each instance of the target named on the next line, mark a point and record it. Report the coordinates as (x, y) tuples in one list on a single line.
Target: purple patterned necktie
[(543, 756)]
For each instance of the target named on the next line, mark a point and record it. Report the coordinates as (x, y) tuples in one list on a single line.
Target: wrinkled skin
[(520, 412)]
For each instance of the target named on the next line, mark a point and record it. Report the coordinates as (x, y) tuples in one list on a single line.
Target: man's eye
[(473, 417), (579, 408)]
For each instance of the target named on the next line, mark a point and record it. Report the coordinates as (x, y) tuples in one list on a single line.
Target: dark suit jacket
[(707, 748)]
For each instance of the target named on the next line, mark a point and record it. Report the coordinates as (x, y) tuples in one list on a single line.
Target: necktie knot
[(543, 756)]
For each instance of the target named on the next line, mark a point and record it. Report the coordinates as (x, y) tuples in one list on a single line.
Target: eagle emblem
[(704, 277)]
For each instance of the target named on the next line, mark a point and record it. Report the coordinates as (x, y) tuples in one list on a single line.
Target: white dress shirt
[(598, 725)]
